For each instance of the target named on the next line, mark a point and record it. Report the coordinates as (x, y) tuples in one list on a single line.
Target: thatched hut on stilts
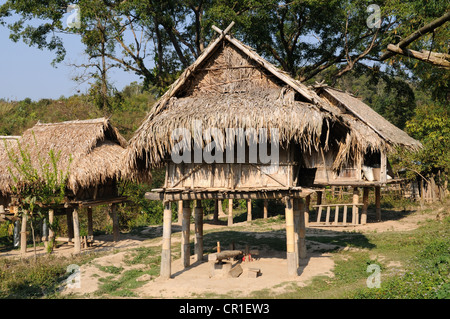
[(91, 151), (212, 131)]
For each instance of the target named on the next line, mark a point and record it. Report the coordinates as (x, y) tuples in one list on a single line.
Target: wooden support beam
[(290, 240), (220, 204), (230, 211), (383, 167), (365, 205), (23, 234), (216, 211), (115, 220), (249, 210), (355, 209), (302, 234), (344, 218), (185, 233), (319, 198), (70, 230), (307, 204), (51, 219), (296, 208), (180, 211), (327, 218), (266, 208), (336, 215), (76, 232), (165, 271), (198, 217), (90, 224), (378, 203)]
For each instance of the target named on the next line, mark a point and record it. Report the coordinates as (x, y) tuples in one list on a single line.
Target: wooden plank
[(319, 213), (344, 219), (337, 204), (327, 219), (336, 215)]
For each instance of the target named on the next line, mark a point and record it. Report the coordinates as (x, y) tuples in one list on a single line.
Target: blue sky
[(27, 71)]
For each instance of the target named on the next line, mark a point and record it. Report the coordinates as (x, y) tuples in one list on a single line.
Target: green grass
[(40, 278)]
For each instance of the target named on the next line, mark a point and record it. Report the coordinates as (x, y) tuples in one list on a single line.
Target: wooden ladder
[(337, 221)]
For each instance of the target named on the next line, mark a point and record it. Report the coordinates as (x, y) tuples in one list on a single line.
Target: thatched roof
[(363, 112), (230, 86), (94, 148)]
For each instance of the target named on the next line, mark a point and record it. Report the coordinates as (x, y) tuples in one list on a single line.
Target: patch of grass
[(427, 273), (144, 255), (40, 278), (123, 286), (111, 269)]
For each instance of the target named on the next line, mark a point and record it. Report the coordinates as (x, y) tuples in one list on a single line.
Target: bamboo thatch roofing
[(363, 112), (231, 86), (94, 148)]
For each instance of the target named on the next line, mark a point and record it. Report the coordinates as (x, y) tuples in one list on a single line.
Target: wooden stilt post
[(220, 204), (302, 233), (216, 211), (319, 198), (180, 212), (306, 210), (230, 211), (378, 203), (166, 243), (290, 240), (249, 210), (115, 219), (70, 230), (23, 234), (296, 208), (76, 232), (185, 232), (198, 216), (90, 224), (51, 233), (355, 212), (365, 205), (266, 208)]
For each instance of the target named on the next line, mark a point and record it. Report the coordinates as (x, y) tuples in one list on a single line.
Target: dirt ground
[(196, 280)]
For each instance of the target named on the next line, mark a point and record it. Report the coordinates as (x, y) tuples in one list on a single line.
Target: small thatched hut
[(5, 142), (90, 151), (213, 128)]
